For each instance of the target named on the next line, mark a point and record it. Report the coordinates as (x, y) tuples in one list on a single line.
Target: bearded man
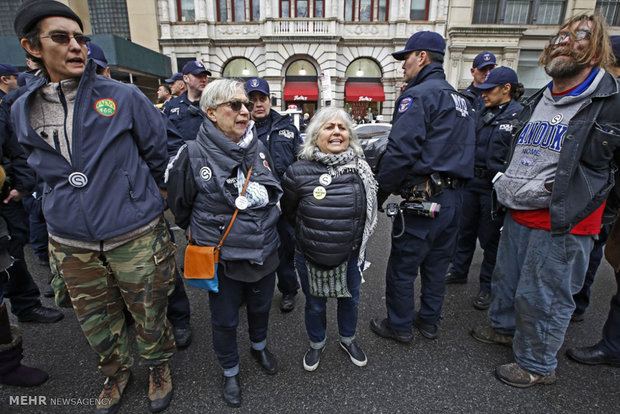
[(558, 183)]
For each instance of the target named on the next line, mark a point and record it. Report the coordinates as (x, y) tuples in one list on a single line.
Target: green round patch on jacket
[(105, 107)]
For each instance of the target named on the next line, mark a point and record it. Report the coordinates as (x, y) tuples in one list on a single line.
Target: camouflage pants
[(138, 275)]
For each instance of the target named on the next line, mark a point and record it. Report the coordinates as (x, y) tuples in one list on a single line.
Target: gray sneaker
[(513, 374), (488, 335)]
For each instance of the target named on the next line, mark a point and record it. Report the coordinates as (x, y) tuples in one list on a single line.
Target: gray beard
[(563, 69)]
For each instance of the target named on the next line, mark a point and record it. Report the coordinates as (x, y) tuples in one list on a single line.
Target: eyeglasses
[(235, 105), (64, 38), (561, 37)]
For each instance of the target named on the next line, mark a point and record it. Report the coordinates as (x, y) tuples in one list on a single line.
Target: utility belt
[(433, 187), (483, 173)]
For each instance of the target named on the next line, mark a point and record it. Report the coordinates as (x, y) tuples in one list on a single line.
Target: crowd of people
[(533, 180)]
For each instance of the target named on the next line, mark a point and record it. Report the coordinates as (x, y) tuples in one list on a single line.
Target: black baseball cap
[(425, 40), (499, 76)]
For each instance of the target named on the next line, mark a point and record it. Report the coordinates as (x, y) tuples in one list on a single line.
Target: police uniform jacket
[(493, 138), (202, 187), (12, 155), (587, 169), (282, 141), (118, 157), (329, 226), (475, 99), (432, 131), (185, 115)]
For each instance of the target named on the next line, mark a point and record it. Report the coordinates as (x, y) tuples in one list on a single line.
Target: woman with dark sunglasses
[(207, 182)]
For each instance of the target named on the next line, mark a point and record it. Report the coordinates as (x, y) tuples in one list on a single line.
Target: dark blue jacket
[(185, 115), (122, 152), (432, 131), (282, 140), (493, 138)]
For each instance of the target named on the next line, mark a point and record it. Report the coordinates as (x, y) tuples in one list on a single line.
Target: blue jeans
[(582, 298), (315, 311), (533, 284), (225, 315)]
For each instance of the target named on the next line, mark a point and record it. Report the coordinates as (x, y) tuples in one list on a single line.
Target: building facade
[(516, 31), (321, 52), (312, 52)]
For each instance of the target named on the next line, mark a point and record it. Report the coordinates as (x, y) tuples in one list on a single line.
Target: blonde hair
[(599, 47)]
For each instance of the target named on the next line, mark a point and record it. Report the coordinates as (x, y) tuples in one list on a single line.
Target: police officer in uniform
[(184, 112), (483, 63), (429, 156), (281, 137), (493, 136), (20, 287)]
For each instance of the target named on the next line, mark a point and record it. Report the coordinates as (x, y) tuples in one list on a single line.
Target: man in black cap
[(281, 137), (494, 127), (183, 111), (100, 148), (16, 180), (95, 52), (482, 64), (21, 288), (177, 86), (429, 156), (8, 79)]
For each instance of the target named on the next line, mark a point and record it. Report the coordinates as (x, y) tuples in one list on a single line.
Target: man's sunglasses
[(64, 38), (577, 36), (235, 105)]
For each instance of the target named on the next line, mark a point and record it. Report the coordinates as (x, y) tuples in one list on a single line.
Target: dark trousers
[(427, 244), (475, 223), (178, 303), (582, 299), (38, 229), (287, 278), (20, 288), (610, 344), (224, 307)]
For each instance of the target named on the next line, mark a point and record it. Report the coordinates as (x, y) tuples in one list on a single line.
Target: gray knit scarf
[(348, 161)]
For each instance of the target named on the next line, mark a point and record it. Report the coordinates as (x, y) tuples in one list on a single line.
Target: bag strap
[(245, 185)]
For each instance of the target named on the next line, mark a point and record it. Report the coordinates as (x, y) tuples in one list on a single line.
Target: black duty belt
[(452, 182), (483, 173)]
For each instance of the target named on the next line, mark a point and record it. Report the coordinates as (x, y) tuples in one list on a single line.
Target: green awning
[(120, 53)]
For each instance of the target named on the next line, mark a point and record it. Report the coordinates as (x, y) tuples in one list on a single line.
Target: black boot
[(231, 391), (12, 372)]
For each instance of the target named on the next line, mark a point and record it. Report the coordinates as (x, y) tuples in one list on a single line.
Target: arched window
[(240, 68)]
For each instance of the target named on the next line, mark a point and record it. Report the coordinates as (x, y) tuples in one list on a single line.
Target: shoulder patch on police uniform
[(460, 104), (505, 127), (287, 134), (404, 105), (106, 107)]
